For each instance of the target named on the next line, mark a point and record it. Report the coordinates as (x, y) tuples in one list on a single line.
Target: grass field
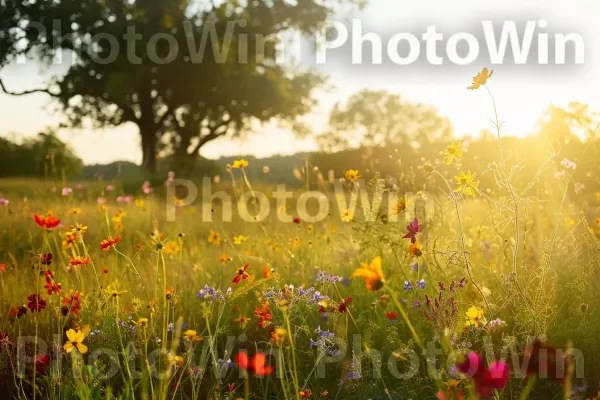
[(455, 292)]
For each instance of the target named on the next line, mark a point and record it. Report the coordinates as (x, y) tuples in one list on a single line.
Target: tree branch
[(211, 136)]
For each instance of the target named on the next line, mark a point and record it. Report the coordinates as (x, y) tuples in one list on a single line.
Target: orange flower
[(415, 249), (257, 364), (47, 223), (306, 393), (371, 273), (241, 274), (110, 242), (481, 78), (83, 261), (267, 272)]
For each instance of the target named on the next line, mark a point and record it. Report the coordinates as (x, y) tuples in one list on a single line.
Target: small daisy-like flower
[(214, 238), (466, 183), (239, 164), (240, 239), (481, 78), (241, 274), (75, 341), (243, 321), (352, 175), (106, 244), (453, 152)]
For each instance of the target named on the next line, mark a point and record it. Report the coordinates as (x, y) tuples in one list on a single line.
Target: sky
[(522, 92)]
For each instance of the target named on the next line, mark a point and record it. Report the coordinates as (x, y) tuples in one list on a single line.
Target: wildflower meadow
[(343, 287)]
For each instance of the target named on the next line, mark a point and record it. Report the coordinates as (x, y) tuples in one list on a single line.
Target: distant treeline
[(46, 156), (42, 155)]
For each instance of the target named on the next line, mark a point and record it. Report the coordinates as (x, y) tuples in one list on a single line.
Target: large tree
[(185, 79), (377, 117)]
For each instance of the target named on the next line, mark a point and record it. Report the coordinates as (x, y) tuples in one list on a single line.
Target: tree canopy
[(375, 117), (184, 73)]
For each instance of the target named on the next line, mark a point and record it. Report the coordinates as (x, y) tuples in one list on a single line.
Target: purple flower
[(109, 188), (101, 200), (408, 286), (3, 202), (421, 283), (66, 191), (412, 230), (324, 277)]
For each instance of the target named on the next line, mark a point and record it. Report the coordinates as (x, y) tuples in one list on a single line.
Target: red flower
[(83, 261), (45, 258), (263, 314), (296, 220), (486, 380), (392, 316), (256, 364), (73, 303), (343, 306), (47, 223), (52, 287), (3, 267), (41, 363), (18, 312), (306, 393), (231, 387), (110, 242), (35, 302), (241, 274)]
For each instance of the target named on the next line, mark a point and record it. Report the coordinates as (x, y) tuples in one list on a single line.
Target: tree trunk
[(148, 151)]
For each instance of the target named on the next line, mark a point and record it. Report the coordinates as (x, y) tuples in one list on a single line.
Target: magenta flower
[(413, 229), (485, 379)]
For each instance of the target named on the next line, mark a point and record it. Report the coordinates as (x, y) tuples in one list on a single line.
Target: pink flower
[(413, 229), (485, 379)]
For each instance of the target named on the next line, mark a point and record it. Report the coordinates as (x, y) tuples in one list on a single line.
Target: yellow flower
[(214, 237), (240, 164), (171, 248), (76, 341), (278, 336), (452, 152), (225, 258), (241, 239), (474, 316), (347, 216), (78, 228), (75, 211), (481, 78), (243, 321), (352, 175), (140, 203), (176, 360), (415, 249), (70, 239), (309, 228), (399, 207), (467, 183), (371, 273), (190, 334), (143, 322)]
